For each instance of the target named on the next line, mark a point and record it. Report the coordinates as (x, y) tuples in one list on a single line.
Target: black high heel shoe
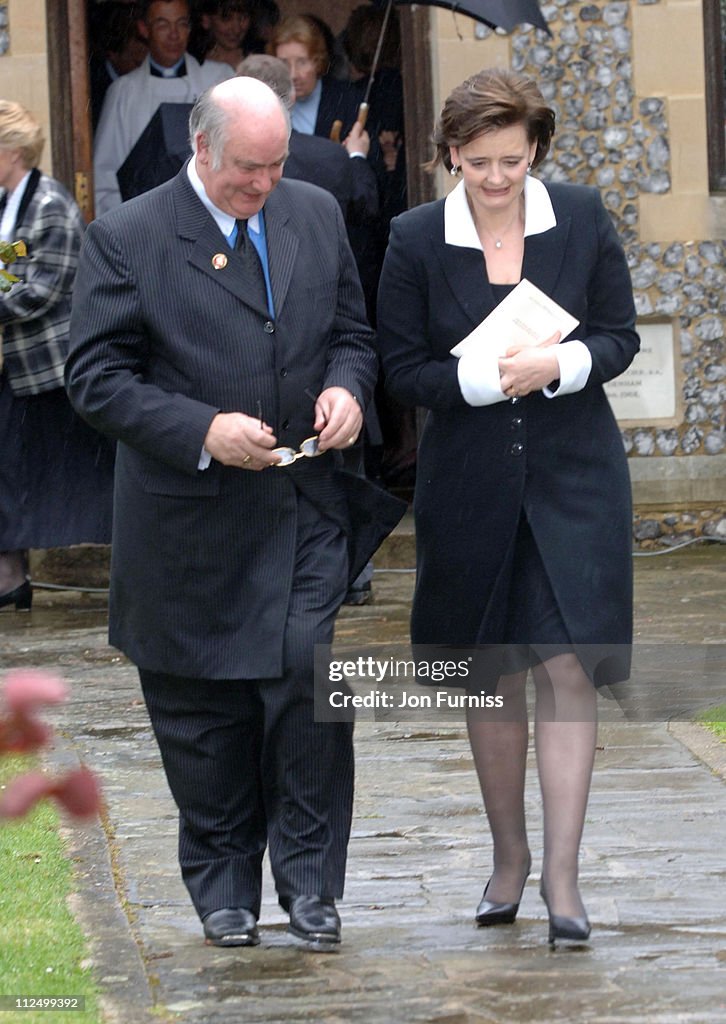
[(490, 913), (21, 597), (565, 929)]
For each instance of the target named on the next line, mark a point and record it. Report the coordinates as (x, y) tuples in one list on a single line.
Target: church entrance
[(69, 52)]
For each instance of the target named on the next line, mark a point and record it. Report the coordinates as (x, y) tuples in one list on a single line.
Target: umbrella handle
[(335, 130), (362, 115)]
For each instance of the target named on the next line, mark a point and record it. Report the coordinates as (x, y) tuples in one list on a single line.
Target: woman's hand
[(527, 368)]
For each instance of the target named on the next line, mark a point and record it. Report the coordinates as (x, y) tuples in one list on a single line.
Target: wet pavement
[(652, 875)]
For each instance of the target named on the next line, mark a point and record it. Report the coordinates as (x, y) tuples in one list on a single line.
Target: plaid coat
[(35, 313)]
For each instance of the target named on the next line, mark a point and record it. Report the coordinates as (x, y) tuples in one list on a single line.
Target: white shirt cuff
[(205, 460), (575, 363), (357, 153), (478, 373)]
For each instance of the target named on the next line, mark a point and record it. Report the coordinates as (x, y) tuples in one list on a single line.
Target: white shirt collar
[(12, 205), (459, 227), (225, 221)]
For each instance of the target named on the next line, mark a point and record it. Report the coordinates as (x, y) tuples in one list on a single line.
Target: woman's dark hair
[(490, 99)]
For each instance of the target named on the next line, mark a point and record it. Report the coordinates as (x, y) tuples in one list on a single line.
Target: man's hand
[(357, 140), (526, 368), (338, 418), (235, 439)]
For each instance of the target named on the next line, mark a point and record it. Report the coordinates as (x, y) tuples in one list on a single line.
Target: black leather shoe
[(21, 597), (231, 926), (490, 913), (568, 929), (565, 929), (315, 921), (359, 595)]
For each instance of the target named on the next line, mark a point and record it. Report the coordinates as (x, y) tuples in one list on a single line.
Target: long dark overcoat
[(164, 335), (561, 460)]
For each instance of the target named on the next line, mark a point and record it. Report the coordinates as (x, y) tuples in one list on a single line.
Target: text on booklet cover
[(524, 317)]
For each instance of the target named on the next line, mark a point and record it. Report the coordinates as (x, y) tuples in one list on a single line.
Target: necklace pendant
[(498, 243)]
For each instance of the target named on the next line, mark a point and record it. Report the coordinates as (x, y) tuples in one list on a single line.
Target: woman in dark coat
[(56, 474), (523, 511)]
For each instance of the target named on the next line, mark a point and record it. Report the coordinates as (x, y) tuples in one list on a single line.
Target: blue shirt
[(304, 114)]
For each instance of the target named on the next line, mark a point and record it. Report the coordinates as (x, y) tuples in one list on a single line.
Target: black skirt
[(56, 474)]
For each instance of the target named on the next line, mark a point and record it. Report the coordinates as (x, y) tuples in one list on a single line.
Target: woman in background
[(321, 99), (56, 473), (522, 501), (223, 32)]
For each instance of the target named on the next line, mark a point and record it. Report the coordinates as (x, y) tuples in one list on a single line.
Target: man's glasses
[(164, 27), (309, 449)]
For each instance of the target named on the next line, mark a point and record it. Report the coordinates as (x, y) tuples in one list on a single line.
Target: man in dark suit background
[(218, 323)]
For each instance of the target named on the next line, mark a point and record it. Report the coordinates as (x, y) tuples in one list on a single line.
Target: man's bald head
[(236, 99), (239, 132)]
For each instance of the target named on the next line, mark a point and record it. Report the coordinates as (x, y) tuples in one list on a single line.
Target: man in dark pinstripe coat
[(205, 353)]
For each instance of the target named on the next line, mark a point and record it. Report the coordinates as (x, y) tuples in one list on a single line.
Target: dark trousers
[(248, 766)]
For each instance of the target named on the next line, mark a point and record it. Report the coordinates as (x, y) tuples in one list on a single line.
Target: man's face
[(166, 30), (251, 164)]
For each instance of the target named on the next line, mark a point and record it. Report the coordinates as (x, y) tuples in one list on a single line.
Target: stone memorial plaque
[(647, 393)]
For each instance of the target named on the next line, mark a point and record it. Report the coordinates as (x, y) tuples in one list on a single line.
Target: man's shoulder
[(144, 211), (124, 84), (302, 196), (211, 72), (315, 146)]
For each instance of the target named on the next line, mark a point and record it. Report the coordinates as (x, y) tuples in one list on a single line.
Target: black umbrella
[(159, 152), (506, 14)]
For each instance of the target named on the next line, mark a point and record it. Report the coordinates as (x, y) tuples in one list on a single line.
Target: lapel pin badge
[(219, 261)]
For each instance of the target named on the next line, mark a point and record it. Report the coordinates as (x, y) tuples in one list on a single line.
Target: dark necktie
[(251, 261)]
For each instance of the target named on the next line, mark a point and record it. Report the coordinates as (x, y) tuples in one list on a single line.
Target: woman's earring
[(529, 168), (454, 170)]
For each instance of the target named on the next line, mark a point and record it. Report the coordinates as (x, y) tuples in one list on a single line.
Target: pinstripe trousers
[(247, 764)]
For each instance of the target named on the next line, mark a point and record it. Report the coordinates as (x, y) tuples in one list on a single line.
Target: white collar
[(225, 221), (459, 227), (12, 205)]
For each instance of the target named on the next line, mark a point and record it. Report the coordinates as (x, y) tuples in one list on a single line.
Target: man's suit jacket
[(339, 101), (560, 460), (164, 335), (327, 164)]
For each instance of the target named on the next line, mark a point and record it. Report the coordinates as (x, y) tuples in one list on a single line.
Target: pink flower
[(20, 731), (77, 791), (26, 691)]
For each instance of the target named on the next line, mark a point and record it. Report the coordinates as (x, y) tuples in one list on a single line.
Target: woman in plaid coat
[(56, 473)]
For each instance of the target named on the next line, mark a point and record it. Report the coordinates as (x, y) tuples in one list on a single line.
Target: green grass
[(42, 948), (715, 720)]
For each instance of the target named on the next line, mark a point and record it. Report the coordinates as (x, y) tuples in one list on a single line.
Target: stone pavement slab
[(653, 867)]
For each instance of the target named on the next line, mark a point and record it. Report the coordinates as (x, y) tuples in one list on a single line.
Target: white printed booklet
[(525, 316)]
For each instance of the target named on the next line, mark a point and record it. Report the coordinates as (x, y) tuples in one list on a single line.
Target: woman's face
[(303, 69), (494, 167), (12, 168), (227, 30)]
